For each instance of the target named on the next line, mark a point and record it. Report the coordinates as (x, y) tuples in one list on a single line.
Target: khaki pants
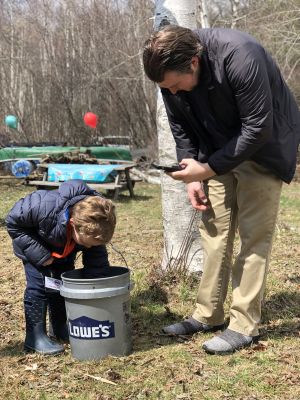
[(246, 198)]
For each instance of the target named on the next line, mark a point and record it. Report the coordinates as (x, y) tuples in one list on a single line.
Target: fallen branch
[(98, 378)]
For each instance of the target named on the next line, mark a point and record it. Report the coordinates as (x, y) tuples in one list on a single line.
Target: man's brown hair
[(95, 216), (170, 49)]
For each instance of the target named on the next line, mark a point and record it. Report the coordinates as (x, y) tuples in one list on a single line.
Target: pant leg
[(35, 276), (217, 231), (56, 303), (35, 304), (258, 195), (35, 281)]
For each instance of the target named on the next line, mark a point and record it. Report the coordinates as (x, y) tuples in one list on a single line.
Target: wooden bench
[(122, 181)]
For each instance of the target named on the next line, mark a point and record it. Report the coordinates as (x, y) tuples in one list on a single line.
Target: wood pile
[(72, 157)]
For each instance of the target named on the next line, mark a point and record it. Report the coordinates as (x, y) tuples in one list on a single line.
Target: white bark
[(204, 14), (235, 4), (176, 208)]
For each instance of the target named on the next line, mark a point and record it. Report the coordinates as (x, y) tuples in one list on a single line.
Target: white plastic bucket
[(98, 313)]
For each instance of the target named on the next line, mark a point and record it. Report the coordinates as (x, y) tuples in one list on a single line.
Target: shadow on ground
[(284, 304), (13, 349), (284, 329), (150, 314), (281, 314)]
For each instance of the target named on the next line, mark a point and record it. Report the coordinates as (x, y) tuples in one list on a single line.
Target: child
[(48, 228)]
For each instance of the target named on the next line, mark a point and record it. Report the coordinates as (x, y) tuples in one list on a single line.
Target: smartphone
[(167, 168)]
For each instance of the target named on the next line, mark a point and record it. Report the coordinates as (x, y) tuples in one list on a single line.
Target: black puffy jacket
[(38, 222), (244, 110)]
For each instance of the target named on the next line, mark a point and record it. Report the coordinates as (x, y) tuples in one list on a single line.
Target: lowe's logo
[(88, 328)]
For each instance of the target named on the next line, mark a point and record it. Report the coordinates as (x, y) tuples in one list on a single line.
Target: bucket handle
[(120, 254)]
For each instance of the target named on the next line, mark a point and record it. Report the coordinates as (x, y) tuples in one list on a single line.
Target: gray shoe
[(189, 327), (228, 342)]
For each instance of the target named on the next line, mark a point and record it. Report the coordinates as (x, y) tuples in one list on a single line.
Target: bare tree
[(204, 18), (182, 249), (235, 4), (275, 24), (61, 59)]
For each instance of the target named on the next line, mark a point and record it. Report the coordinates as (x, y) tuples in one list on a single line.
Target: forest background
[(60, 59)]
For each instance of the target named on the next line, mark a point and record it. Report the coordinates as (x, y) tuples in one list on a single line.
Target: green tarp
[(113, 153)]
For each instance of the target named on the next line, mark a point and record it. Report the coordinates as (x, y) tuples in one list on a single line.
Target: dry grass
[(160, 367)]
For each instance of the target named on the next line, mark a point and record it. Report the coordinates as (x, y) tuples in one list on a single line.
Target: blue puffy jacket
[(38, 222)]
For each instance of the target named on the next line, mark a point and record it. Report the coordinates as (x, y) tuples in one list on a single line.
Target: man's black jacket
[(243, 109), (37, 225)]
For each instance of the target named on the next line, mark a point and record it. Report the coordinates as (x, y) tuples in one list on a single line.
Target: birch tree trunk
[(181, 241), (235, 4), (204, 14)]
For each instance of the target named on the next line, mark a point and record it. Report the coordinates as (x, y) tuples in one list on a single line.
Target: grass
[(160, 367)]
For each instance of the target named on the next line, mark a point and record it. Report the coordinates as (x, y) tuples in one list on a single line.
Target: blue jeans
[(35, 276)]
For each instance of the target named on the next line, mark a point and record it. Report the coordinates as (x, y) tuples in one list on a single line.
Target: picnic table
[(122, 180)]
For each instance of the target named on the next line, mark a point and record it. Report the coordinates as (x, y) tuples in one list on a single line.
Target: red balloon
[(90, 119)]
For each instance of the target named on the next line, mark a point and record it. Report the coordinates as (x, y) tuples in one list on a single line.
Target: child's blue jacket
[(38, 222)]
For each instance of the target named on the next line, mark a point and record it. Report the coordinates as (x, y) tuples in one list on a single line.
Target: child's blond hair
[(95, 217)]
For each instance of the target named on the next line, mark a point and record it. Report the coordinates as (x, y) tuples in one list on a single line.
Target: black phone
[(167, 168)]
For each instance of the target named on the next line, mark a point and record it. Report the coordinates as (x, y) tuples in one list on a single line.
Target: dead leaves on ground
[(259, 346)]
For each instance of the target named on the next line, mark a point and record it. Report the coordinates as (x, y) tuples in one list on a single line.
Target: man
[(236, 126)]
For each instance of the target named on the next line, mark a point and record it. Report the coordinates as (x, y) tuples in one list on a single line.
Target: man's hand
[(197, 196), (48, 262), (193, 171)]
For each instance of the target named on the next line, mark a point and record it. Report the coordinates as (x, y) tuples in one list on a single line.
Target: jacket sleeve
[(247, 75), (95, 261), (187, 143), (75, 187), (22, 223)]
